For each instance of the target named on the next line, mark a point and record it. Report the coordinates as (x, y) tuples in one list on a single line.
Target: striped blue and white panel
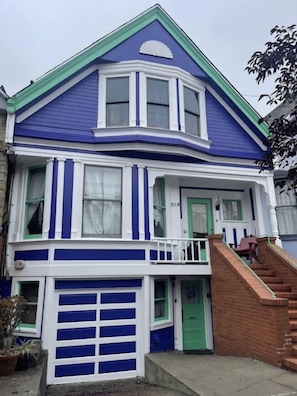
[(97, 331)]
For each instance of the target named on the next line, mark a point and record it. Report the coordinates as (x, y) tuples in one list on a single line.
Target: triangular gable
[(109, 42)]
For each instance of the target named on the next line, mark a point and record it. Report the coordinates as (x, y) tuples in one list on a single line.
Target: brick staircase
[(282, 290)]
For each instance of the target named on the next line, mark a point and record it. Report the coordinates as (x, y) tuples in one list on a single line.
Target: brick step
[(264, 272), (293, 324), (292, 313), (292, 304), (291, 363), (271, 279), (279, 287), (294, 336), (288, 295), (294, 350), (258, 267)]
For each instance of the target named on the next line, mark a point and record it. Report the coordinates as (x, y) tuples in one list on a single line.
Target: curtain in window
[(102, 201), (286, 212), (35, 197)]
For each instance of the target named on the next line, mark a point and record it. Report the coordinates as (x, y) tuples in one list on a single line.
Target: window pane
[(159, 222), (159, 192), (160, 289), (159, 208), (160, 309), (287, 220), (161, 299), (157, 91), (117, 114), (29, 290), (34, 201), (102, 206), (191, 99), (232, 210), (29, 315), (158, 116), (192, 124), (117, 90)]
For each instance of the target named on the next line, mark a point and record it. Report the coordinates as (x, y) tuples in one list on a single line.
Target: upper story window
[(117, 101), (192, 111), (159, 208), (102, 201), (34, 202), (157, 103), (286, 211)]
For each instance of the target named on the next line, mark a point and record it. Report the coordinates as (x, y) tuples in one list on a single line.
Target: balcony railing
[(181, 251)]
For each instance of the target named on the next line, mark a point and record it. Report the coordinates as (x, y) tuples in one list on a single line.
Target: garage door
[(96, 333)]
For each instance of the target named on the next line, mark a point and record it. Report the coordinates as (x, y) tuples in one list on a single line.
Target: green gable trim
[(115, 38)]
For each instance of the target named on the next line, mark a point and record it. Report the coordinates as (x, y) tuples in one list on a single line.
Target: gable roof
[(100, 47)]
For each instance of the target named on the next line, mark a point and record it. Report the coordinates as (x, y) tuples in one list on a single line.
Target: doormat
[(199, 352)]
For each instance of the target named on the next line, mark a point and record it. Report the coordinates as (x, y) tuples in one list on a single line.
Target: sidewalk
[(213, 375)]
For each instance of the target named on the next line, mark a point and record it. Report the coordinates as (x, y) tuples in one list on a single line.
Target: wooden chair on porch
[(247, 248)]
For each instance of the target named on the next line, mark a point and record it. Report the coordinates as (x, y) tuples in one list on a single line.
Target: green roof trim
[(102, 46)]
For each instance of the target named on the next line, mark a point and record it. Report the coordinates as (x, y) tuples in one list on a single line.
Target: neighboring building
[(127, 156), (4, 285), (286, 201)]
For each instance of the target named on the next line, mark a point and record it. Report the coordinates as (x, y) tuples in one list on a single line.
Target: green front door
[(200, 219), (193, 323)]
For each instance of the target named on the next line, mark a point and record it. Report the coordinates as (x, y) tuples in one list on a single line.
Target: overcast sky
[(37, 35)]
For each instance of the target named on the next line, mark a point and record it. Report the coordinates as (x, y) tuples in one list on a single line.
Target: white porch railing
[(182, 251)]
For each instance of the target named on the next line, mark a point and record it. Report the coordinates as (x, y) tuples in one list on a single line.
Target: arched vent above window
[(156, 48)]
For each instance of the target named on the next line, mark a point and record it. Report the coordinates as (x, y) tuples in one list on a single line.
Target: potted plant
[(11, 311), (29, 352)]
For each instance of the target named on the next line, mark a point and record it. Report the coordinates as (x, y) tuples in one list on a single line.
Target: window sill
[(27, 332), (161, 324)]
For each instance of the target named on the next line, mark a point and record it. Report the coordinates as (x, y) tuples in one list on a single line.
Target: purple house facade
[(127, 156)]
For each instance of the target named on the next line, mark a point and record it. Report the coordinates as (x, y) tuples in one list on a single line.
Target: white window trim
[(25, 331), (159, 324), (194, 86), (104, 74)]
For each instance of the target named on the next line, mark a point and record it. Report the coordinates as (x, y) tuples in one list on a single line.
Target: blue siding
[(129, 50), (227, 136), (99, 254), (67, 199), (76, 109), (162, 340), (52, 229), (117, 365)]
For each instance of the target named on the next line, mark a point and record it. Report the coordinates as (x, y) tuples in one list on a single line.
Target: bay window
[(34, 202), (102, 201), (157, 103)]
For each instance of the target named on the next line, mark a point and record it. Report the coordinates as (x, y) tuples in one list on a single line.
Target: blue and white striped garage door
[(97, 331)]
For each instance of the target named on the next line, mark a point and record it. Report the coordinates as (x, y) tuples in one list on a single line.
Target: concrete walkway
[(212, 375)]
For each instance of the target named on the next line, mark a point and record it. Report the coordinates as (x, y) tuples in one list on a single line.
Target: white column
[(272, 211), (141, 202), (60, 191), (127, 202), (77, 199), (48, 197)]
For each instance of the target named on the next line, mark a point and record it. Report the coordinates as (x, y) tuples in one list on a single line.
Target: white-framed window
[(117, 101), (192, 111), (102, 201), (117, 97), (232, 209), (32, 289), (159, 208), (157, 99), (33, 222), (161, 300), (286, 211)]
